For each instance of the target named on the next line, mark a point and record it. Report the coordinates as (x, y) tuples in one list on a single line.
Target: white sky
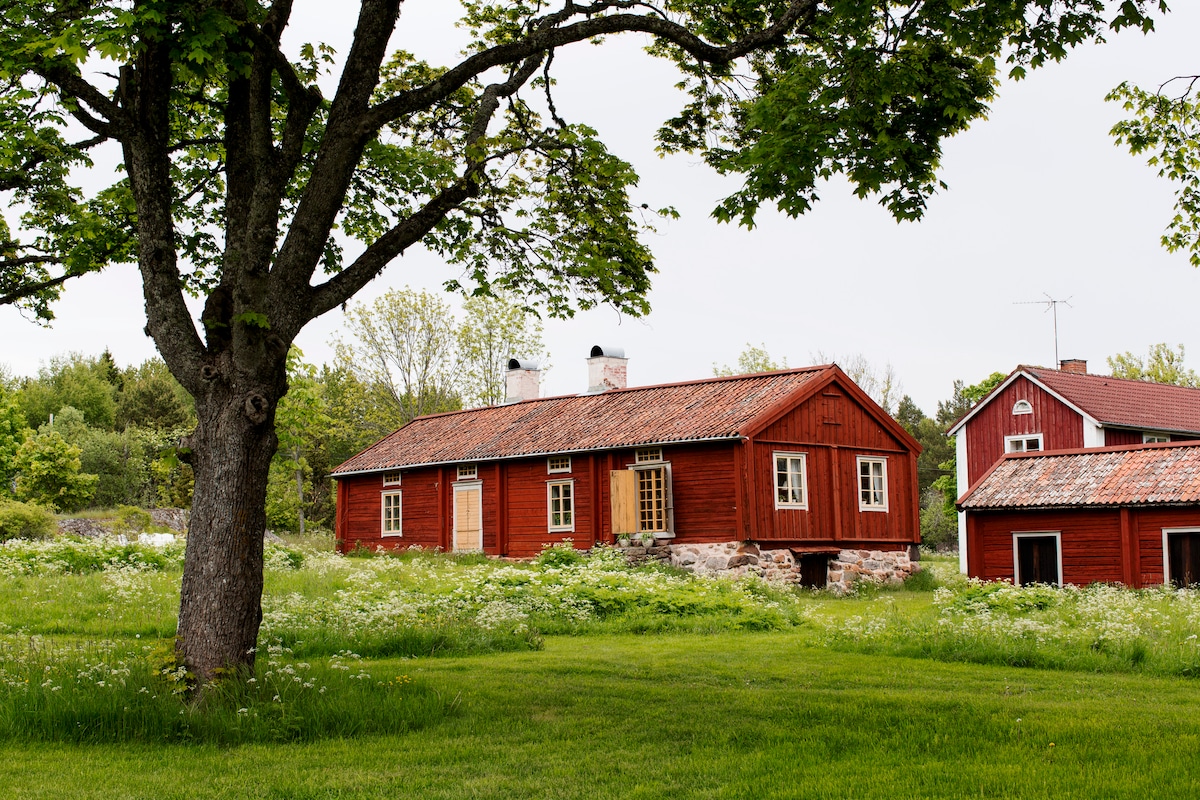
[(1040, 202)]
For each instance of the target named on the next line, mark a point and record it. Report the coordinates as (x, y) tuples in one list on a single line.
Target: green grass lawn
[(709, 696), (721, 716)]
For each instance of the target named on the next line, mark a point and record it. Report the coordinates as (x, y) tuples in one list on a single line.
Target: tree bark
[(221, 598)]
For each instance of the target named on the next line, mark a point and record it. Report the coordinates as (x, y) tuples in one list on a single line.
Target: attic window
[(648, 454), (468, 471), (558, 464), (391, 478), (1022, 407), (1149, 437)]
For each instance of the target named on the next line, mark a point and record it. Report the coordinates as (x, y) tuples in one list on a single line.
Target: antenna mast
[(1052, 306)]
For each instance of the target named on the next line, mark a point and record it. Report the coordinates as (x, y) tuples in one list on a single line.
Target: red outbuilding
[(792, 470), (1128, 514), (1038, 409)]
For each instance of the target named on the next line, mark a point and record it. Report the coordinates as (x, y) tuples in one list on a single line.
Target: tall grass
[(105, 692)]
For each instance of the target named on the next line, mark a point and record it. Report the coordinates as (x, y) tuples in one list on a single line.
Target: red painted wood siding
[(832, 429), (527, 517), (363, 511), (1060, 426), (1092, 547)]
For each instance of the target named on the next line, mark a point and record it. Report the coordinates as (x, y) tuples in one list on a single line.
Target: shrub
[(25, 521), (560, 554)]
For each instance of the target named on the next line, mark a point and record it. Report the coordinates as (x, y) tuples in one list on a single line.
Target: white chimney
[(522, 381), (606, 369)]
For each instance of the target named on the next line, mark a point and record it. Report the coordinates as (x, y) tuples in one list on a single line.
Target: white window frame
[(781, 505), (391, 478), (552, 469), (648, 455), (1024, 438), (1029, 535), (1166, 555), (863, 505), (566, 527), (1153, 437), (668, 500), (468, 472), (1022, 407), (384, 520)]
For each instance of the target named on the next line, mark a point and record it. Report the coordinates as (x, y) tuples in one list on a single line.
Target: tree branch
[(543, 39)]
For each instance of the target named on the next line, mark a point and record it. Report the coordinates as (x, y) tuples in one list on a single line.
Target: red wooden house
[(800, 461), (1039, 409), (1127, 514)]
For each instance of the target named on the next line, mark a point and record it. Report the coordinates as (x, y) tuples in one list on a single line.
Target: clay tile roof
[(1167, 474), (1126, 403), (718, 408)]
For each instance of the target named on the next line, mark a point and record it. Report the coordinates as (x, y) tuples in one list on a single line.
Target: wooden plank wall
[(832, 429), (1061, 428), (1095, 546)]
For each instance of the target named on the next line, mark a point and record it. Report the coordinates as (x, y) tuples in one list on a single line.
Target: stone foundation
[(846, 568)]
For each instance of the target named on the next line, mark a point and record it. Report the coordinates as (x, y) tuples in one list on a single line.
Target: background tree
[(1161, 365), (48, 472), (752, 359), (881, 383), (13, 432), (299, 419), (1166, 124), (82, 382), (493, 330), (237, 168), (950, 411), (937, 448), (403, 343), (151, 398)]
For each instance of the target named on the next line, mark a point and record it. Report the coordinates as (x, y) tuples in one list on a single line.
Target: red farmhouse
[(1039, 409), (797, 466), (1126, 515)]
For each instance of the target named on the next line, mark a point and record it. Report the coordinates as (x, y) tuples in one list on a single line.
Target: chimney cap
[(521, 363), (599, 351)]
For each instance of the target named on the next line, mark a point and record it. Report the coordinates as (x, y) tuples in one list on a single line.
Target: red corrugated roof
[(718, 408), (1126, 403), (1113, 476)]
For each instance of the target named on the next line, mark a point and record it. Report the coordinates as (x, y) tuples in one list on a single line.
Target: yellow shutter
[(468, 522), (623, 483)]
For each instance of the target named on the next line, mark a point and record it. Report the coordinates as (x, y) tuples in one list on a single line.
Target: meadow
[(426, 675)]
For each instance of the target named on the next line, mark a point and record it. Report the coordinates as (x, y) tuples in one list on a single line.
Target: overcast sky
[(1040, 202)]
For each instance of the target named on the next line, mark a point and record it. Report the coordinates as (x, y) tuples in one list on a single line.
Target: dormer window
[(1022, 407)]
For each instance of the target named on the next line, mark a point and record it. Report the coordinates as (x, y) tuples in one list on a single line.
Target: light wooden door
[(468, 517)]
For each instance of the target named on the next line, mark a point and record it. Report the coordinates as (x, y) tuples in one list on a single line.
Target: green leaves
[(1166, 125)]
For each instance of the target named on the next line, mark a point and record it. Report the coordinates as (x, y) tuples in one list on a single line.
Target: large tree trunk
[(221, 596)]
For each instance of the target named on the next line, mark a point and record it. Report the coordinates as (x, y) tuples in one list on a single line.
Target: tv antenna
[(1052, 306)]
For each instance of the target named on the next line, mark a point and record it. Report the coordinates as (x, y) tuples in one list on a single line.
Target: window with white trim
[(791, 481), (560, 503), (391, 478), (1153, 438), (558, 464), (872, 484), (653, 492), (648, 454), (390, 513), (1022, 407), (468, 472), (1027, 443)]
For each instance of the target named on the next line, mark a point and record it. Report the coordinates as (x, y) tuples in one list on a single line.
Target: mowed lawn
[(726, 715)]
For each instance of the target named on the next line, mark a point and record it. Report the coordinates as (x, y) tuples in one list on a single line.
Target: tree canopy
[(237, 169), (1165, 124)]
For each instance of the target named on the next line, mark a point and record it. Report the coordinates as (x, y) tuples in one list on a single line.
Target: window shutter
[(624, 496)]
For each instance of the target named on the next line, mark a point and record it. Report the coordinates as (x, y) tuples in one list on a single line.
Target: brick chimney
[(1075, 366), (606, 369), (522, 381)]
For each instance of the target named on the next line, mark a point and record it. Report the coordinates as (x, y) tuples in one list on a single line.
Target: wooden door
[(1183, 550), (468, 517), (1037, 560)]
